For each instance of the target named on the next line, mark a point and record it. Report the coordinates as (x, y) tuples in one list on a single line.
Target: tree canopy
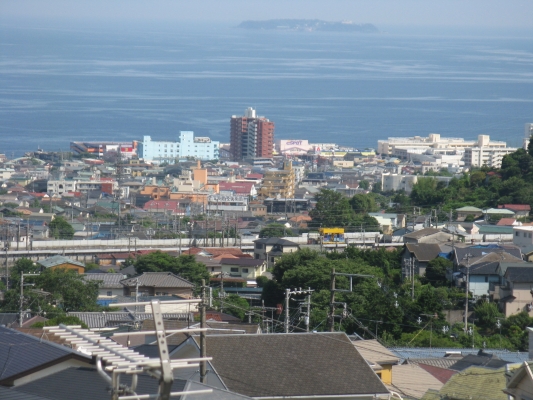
[(61, 229), (275, 230)]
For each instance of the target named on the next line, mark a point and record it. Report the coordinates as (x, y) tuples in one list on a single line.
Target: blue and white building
[(202, 148)]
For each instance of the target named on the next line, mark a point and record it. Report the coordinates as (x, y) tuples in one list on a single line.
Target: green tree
[(275, 230), (185, 266), (234, 305), (363, 184), (487, 314), (363, 203), (436, 271), (61, 229), (332, 209)]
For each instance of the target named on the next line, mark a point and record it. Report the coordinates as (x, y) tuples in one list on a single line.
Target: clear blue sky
[(436, 13)]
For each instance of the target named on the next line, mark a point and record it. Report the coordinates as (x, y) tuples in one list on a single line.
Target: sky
[(499, 14)]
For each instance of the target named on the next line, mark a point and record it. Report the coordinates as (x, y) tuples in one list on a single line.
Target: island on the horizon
[(308, 25)]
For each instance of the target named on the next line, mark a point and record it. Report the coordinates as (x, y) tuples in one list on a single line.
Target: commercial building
[(251, 136), (202, 148)]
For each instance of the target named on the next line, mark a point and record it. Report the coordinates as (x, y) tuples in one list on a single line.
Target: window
[(517, 233), (245, 270), (234, 269), (109, 293), (212, 269), (529, 235)]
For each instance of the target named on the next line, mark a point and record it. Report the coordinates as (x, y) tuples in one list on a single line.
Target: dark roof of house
[(158, 280), (85, 384), (112, 319), (6, 319), (245, 262), (152, 350), (10, 394), (283, 365), (481, 359), (479, 251), (275, 240), (21, 354), (424, 251), (519, 274)]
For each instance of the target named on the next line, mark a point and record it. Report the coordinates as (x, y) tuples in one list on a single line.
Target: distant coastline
[(308, 25)]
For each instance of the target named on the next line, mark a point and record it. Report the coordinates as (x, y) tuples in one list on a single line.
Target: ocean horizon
[(79, 82)]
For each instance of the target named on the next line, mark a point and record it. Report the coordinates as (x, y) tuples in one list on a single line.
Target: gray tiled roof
[(21, 353), (158, 279), (424, 251), (9, 394), (307, 364), (410, 353), (518, 274), (110, 319), (421, 233), (85, 384), (275, 240), (108, 280)]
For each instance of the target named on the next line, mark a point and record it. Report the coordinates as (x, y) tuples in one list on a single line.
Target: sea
[(66, 81)]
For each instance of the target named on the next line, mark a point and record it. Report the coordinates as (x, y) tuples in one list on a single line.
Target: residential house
[(516, 291), (97, 321), (282, 366), (427, 235), (246, 268), (468, 211), (270, 249), (519, 385), (25, 358), (523, 236), (62, 262), (109, 285), (378, 357), (412, 381), (520, 210), (157, 284), (416, 257)]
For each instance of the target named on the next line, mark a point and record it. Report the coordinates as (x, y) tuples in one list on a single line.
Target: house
[(484, 383), (103, 320), (520, 381), (464, 212), (282, 366), (270, 249), (523, 236), (427, 235), (416, 257), (62, 262), (109, 285), (157, 284), (25, 358), (246, 268), (378, 357), (412, 381), (520, 210), (515, 293)]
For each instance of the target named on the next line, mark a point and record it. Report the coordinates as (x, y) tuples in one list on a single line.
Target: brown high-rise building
[(251, 136)]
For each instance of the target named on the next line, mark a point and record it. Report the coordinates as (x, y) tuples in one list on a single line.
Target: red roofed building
[(242, 188)]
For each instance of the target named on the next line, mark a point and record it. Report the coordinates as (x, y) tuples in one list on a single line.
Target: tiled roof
[(158, 280), (86, 384), (108, 281), (477, 252), (516, 207), (518, 274), (13, 394), (275, 240), (485, 383), (424, 251), (412, 381), (506, 222), (283, 365), (58, 260), (442, 374), (215, 251), (421, 233), (374, 352), (21, 354), (110, 319)]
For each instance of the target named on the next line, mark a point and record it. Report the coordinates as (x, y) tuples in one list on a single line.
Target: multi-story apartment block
[(528, 132), (490, 157), (202, 148), (251, 136), (279, 183)]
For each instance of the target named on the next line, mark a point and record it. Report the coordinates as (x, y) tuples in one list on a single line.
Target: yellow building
[(279, 183), (332, 235), (58, 261)]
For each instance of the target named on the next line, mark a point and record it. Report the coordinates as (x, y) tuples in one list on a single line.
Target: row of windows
[(526, 234)]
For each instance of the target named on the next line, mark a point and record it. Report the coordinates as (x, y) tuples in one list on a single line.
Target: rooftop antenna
[(116, 359)]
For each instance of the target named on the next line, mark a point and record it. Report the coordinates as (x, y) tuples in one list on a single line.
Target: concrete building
[(486, 156), (226, 202), (528, 132), (202, 148), (434, 141), (251, 136), (279, 183)]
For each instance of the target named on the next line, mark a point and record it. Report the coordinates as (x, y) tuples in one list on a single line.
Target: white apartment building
[(60, 186), (528, 132), (225, 202), (434, 141), (522, 236), (491, 157), (202, 148)]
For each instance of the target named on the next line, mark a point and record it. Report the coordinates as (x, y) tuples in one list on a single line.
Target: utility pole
[(203, 352), (467, 284), (287, 297), (331, 317), (21, 311), (412, 264), (136, 295)]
